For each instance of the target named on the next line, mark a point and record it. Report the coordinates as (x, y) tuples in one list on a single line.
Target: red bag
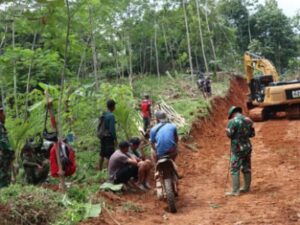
[(70, 165)]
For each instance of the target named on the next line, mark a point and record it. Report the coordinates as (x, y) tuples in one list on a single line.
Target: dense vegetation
[(113, 39), (85, 51)]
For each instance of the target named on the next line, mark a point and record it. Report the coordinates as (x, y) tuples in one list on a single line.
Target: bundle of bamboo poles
[(172, 115)]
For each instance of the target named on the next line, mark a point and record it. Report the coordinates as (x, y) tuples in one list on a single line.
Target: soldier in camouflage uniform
[(35, 164), (6, 154), (240, 130)]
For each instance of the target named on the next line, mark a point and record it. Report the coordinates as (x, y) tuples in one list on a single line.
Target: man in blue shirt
[(163, 137)]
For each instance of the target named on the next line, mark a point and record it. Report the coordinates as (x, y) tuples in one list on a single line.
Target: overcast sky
[(290, 7)]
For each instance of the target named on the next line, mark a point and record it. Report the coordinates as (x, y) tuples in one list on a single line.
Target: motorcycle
[(166, 181)]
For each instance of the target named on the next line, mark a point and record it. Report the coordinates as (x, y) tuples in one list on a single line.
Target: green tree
[(273, 29)]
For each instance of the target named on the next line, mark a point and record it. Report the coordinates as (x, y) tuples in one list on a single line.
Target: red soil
[(275, 194)]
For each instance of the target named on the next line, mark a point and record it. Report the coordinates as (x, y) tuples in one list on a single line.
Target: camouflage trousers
[(36, 176), (240, 162), (5, 173)]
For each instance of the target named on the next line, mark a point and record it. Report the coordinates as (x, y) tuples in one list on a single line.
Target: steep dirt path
[(275, 195)]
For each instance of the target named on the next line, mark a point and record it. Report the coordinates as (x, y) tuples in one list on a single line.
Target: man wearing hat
[(108, 141), (240, 130), (6, 153)]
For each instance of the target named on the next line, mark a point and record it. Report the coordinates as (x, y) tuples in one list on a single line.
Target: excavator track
[(257, 114), (293, 112)]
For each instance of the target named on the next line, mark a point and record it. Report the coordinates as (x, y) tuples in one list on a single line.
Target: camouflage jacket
[(6, 151), (240, 130)]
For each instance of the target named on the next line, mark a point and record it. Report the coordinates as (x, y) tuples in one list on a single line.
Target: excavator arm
[(254, 62)]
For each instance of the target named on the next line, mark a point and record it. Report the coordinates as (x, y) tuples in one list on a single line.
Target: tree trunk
[(196, 60), (82, 57), (62, 84), (141, 59), (29, 73), (156, 51), (210, 38), (188, 39), (165, 40), (2, 94), (93, 45), (249, 30), (15, 71), (130, 60), (116, 60), (3, 38), (201, 36), (151, 55), (144, 58), (60, 122)]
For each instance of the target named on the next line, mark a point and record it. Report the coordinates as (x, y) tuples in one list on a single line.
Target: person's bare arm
[(132, 161)]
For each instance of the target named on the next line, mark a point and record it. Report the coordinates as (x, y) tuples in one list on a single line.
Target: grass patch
[(86, 171), (34, 205), (131, 207), (190, 109)]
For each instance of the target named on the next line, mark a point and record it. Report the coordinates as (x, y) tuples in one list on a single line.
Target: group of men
[(128, 164)]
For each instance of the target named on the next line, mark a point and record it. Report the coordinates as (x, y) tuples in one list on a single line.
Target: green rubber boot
[(247, 183), (235, 186)]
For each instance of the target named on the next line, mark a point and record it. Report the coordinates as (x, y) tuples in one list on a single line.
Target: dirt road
[(275, 195)]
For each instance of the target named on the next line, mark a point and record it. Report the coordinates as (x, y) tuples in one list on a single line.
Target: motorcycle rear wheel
[(169, 188)]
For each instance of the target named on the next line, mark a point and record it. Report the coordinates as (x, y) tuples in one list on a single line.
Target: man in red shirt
[(146, 111)]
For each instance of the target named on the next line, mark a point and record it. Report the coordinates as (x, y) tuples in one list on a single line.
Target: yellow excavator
[(267, 94)]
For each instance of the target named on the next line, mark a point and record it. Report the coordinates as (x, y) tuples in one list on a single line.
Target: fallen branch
[(112, 218)]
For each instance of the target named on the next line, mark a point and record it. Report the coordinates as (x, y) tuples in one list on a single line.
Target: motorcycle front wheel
[(170, 193)]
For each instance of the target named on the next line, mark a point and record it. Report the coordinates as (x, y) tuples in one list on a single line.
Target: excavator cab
[(257, 87), (269, 95)]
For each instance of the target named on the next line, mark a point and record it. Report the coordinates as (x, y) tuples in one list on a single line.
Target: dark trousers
[(146, 123), (107, 147), (127, 172)]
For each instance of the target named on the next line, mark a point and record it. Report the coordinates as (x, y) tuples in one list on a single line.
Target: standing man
[(6, 153), (107, 130), (240, 130), (207, 86), (146, 111), (163, 137)]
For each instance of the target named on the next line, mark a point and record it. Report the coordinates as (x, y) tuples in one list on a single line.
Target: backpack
[(101, 130), (67, 159)]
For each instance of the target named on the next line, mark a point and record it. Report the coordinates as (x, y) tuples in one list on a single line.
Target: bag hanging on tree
[(67, 159), (49, 136)]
